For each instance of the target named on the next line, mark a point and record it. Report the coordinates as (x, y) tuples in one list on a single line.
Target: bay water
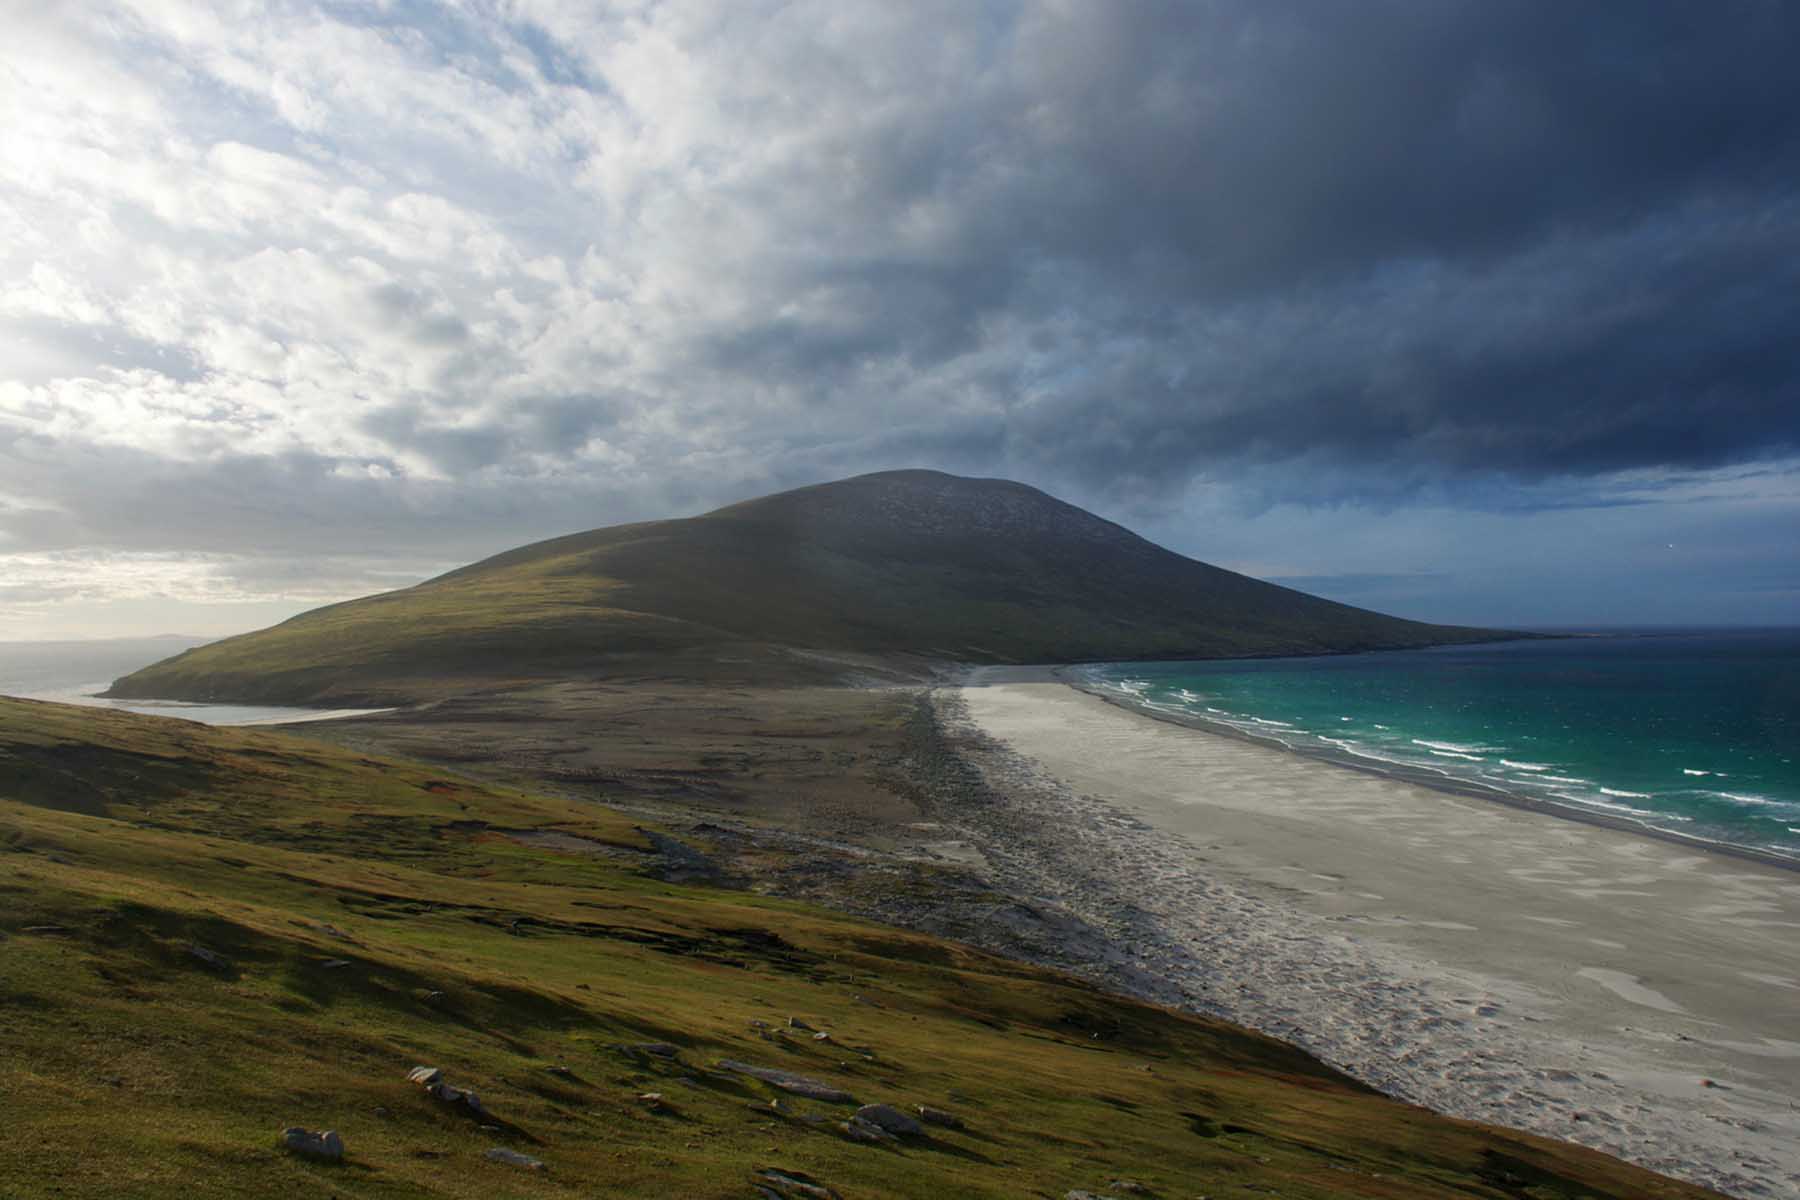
[(74, 672), (1690, 732)]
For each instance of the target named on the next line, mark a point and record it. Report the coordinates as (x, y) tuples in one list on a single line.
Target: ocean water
[(73, 672), (1688, 731)]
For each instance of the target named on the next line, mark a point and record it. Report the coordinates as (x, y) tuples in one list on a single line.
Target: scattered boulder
[(890, 1119), (937, 1116), (797, 1023), (334, 964), (787, 1081), (561, 1072), (1078, 1194), (653, 1100), (791, 1185), (211, 958), (443, 1093), (940, 1118), (1130, 1187), (432, 1080), (513, 1158), (859, 1130), (324, 1145)]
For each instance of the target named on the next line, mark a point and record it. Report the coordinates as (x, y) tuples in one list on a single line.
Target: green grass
[(906, 565), (131, 1068)]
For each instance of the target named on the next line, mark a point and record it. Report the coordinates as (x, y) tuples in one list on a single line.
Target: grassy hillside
[(912, 565), (208, 935)]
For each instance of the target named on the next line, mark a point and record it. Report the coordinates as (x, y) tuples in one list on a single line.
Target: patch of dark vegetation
[(1203, 1125), (1515, 1176), (93, 779)]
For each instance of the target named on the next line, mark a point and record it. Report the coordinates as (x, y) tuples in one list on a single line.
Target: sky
[(1466, 311)]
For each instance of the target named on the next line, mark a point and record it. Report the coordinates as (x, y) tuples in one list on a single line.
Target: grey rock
[(787, 1081), (797, 1023), (324, 1145), (890, 1119), (859, 1130), (792, 1185), (513, 1158), (1130, 1187), (424, 1076), (443, 1093), (1078, 1194), (937, 1116), (211, 958), (334, 964)]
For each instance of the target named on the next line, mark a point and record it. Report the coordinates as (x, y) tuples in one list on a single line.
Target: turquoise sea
[(1693, 732)]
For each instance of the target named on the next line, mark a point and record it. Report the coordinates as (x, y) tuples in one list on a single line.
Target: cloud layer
[(416, 281)]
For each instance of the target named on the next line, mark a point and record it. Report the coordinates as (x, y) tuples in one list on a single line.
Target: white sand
[(1488, 962)]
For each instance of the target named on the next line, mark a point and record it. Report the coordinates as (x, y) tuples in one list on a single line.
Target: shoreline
[(1449, 785), (1570, 978)]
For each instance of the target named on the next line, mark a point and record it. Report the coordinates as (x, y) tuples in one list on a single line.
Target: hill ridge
[(894, 569)]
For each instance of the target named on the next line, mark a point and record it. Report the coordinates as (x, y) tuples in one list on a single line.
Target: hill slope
[(903, 563), (212, 934)]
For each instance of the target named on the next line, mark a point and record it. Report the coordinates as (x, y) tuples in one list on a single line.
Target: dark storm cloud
[(1537, 239)]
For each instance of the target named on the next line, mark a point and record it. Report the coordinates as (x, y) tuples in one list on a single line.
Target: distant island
[(893, 573)]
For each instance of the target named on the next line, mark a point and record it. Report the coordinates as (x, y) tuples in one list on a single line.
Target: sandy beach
[(1583, 982)]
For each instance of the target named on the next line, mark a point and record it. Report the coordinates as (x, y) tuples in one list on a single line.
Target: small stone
[(890, 1120), (334, 964), (937, 1116), (424, 1076), (513, 1158), (325, 1145), (211, 958), (791, 1185), (797, 1023), (560, 1072), (443, 1093), (859, 1130), (787, 1081), (650, 1099), (1130, 1187), (821, 1037)]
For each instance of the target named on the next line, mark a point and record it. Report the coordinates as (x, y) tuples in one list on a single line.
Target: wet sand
[(1584, 982)]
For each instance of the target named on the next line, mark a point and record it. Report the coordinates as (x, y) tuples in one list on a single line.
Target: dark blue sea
[(1694, 732)]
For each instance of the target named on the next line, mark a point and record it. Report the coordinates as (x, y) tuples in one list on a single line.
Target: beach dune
[(1590, 983)]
